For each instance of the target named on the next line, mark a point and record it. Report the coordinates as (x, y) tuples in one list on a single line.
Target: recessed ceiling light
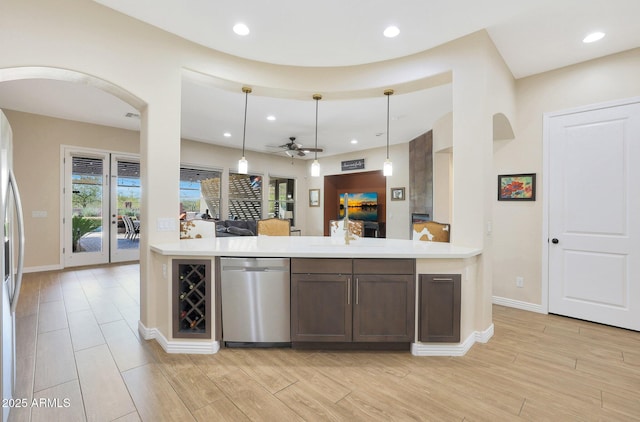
[(227, 135), (354, 141), (271, 118), (391, 32), (241, 29), (593, 37)]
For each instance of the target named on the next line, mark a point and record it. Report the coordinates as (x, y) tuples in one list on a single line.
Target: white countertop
[(313, 247)]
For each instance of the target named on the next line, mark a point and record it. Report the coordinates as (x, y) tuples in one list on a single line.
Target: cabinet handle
[(349, 291), (357, 290), (442, 279)]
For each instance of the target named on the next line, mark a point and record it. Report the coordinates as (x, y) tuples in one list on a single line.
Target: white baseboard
[(525, 306), (43, 268), (178, 346), (450, 349)]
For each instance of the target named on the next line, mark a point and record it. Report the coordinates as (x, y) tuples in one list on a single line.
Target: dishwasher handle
[(256, 269)]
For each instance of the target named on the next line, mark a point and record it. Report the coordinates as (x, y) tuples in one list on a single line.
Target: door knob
[(555, 241)]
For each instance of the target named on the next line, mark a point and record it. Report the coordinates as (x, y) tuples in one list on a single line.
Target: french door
[(594, 204), (100, 189)]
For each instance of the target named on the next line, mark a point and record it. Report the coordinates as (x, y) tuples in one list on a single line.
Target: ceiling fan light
[(387, 168), (243, 166), (315, 169)]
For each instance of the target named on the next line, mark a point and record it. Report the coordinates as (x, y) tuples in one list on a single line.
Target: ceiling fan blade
[(312, 149), (301, 153)]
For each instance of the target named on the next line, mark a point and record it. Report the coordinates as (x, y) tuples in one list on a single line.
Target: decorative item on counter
[(347, 227)]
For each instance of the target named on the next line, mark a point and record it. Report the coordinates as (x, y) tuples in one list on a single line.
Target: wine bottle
[(183, 295), (194, 322)]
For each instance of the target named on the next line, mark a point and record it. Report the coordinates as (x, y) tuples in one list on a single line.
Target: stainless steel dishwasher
[(255, 295)]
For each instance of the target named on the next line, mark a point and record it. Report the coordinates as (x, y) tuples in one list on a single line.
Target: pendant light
[(315, 166), (243, 165), (387, 168)]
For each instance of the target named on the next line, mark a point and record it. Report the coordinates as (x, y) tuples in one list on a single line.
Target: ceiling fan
[(293, 148)]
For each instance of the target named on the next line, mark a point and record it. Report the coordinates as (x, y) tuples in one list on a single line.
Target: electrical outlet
[(164, 270), (519, 281)]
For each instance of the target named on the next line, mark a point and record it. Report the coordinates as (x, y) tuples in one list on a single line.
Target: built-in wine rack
[(192, 303)]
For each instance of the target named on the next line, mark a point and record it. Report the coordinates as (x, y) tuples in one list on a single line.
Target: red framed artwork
[(517, 187)]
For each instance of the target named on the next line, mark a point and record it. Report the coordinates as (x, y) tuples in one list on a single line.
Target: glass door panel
[(86, 239), (125, 208)]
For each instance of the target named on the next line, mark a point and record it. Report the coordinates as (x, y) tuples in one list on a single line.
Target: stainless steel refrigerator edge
[(11, 213), (255, 295)]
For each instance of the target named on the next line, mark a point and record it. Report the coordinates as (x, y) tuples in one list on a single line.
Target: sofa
[(200, 228), (226, 228)]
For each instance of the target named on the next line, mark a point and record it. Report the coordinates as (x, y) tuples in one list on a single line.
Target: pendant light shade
[(315, 166), (387, 168), (243, 165)]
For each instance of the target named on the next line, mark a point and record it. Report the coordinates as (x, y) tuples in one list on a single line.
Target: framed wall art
[(397, 194), (517, 187), (314, 197)]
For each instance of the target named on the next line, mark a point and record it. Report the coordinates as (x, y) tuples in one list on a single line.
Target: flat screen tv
[(362, 206)]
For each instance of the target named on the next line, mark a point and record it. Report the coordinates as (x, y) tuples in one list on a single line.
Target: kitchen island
[(430, 259)]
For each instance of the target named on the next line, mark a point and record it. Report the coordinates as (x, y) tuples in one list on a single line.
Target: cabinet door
[(439, 315), (321, 307), (384, 308)]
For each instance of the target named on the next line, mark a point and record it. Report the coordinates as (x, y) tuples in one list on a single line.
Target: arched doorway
[(79, 97)]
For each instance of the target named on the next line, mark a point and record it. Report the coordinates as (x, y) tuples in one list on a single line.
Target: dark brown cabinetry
[(439, 308), (321, 300), (359, 300), (191, 298)]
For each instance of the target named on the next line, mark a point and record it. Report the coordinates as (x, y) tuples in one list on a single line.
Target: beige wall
[(266, 165), (517, 226), (397, 217), (144, 66), (443, 168), (37, 162)]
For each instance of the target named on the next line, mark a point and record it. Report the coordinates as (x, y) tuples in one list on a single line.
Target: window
[(281, 199), (128, 189), (200, 191), (245, 196)]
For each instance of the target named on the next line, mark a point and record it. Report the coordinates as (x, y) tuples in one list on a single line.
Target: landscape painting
[(362, 206)]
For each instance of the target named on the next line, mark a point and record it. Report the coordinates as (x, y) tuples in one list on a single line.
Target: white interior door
[(594, 215), (125, 201)]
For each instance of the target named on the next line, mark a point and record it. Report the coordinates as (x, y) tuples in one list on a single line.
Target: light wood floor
[(78, 346)]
